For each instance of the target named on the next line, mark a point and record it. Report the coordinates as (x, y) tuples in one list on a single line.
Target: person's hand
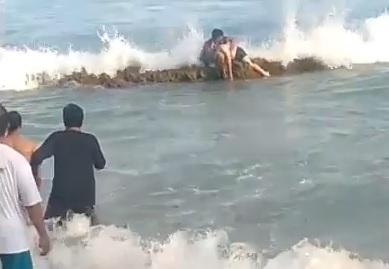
[(44, 245), (266, 74)]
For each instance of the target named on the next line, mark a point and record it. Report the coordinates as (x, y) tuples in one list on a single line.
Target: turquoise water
[(267, 163)]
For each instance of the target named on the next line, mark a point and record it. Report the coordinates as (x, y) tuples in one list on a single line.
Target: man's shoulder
[(28, 144), (54, 135), (89, 136), (8, 154), (8, 151), (208, 43)]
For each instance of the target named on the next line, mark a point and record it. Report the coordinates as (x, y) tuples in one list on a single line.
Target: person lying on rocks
[(208, 52), (228, 51)]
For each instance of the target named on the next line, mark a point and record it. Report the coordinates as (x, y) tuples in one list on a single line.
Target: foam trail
[(112, 247), (366, 45)]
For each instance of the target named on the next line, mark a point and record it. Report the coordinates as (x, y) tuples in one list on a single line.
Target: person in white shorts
[(17, 190)]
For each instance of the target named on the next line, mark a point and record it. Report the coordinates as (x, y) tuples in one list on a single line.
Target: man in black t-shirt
[(76, 154)]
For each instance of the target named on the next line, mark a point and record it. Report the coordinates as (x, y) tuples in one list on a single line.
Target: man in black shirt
[(75, 155)]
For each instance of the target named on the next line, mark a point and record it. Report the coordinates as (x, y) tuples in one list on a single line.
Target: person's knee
[(246, 59)]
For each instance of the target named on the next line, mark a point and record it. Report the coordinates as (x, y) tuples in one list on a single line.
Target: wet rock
[(133, 75)]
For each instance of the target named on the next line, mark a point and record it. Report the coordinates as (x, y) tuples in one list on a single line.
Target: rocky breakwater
[(193, 73)]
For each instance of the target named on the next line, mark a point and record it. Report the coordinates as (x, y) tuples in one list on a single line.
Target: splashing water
[(104, 247), (366, 45)]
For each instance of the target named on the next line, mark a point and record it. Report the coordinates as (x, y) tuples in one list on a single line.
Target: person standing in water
[(19, 143), (18, 191), (75, 153)]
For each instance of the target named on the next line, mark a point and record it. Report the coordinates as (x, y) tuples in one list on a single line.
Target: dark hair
[(15, 121), (4, 124), (216, 33), (73, 116)]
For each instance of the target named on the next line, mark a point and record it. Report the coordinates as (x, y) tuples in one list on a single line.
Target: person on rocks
[(222, 50), (228, 51), (208, 52), (76, 154), (18, 191), (19, 143)]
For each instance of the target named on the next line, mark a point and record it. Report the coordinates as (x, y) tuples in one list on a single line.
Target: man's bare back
[(16, 141), (24, 146)]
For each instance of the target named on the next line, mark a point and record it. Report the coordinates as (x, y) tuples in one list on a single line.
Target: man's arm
[(203, 58), (38, 178), (45, 151), (227, 54), (29, 195), (98, 156)]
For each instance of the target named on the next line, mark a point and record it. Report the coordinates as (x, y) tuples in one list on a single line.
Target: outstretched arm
[(98, 156), (45, 151)]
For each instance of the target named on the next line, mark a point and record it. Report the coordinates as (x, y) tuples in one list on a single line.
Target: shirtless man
[(228, 50), (16, 141), (208, 52)]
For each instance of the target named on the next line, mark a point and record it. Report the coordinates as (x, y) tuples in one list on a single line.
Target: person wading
[(76, 155)]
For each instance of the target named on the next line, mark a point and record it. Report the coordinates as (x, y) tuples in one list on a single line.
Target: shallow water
[(267, 163)]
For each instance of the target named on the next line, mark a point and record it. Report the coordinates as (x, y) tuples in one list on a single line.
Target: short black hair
[(4, 124), (15, 121), (216, 33), (73, 116)]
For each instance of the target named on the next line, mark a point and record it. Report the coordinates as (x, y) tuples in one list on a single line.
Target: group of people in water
[(76, 155), (221, 51)]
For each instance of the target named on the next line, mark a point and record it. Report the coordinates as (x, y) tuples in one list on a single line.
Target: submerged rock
[(132, 75)]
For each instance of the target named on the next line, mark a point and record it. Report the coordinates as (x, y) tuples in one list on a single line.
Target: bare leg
[(220, 64), (258, 69)]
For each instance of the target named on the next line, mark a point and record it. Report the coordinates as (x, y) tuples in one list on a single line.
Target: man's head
[(15, 121), (216, 34), (73, 116), (4, 122)]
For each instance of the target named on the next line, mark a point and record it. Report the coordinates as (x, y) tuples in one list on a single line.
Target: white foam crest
[(19, 66), (106, 247), (330, 41)]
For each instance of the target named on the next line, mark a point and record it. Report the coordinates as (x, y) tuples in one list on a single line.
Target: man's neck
[(76, 129), (9, 139)]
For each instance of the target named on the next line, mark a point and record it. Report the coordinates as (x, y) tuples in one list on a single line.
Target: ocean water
[(287, 172)]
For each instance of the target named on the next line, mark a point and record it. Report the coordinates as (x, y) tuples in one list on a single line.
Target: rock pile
[(194, 73)]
